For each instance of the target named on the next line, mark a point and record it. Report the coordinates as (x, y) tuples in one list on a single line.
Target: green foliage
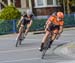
[(9, 13)]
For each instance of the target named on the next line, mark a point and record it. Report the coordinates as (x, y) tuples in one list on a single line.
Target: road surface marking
[(18, 50), (20, 60)]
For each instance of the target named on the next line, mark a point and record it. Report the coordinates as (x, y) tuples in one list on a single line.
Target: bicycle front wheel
[(43, 53), (18, 42)]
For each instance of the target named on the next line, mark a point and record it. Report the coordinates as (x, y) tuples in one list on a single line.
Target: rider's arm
[(61, 29), (20, 21), (48, 22), (47, 25)]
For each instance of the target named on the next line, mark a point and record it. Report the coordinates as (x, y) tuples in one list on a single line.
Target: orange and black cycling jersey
[(53, 20)]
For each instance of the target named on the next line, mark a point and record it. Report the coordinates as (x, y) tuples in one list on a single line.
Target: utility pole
[(68, 8), (64, 6), (0, 5), (13, 2), (9, 2)]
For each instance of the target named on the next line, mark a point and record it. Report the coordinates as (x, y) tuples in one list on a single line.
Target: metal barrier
[(9, 26), (69, 20)]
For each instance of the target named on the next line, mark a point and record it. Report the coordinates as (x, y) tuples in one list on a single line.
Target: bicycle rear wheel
[(18, 42), (44, 50), (46, 46)]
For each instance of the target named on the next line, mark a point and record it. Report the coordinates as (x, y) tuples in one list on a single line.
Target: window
[(49, 2), (45, 3), (39, 2), (18, 3), (57, 2)]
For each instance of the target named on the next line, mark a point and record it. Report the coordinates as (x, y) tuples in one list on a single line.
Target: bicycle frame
[(46, 47), (19, 40)]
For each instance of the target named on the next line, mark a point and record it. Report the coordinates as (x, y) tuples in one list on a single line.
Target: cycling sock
[(50, 43), (42, 44)]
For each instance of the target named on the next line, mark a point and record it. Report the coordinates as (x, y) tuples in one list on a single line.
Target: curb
[(42, 32)]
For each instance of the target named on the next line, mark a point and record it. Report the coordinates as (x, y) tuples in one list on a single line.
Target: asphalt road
[(29, 52)]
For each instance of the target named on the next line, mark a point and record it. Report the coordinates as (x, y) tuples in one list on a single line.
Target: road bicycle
[(46, 45), (20, 39)]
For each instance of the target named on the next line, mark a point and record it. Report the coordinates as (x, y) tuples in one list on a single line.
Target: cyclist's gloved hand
[(58, 35)]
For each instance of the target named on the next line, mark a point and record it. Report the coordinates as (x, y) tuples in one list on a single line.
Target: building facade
[(38, 7), (45, 7)]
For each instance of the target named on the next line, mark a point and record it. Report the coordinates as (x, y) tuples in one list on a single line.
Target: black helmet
[(29, 12)]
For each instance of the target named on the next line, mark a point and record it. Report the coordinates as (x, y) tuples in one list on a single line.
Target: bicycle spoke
[(46, 45), (43, 53), (20, 41), (17, 43)]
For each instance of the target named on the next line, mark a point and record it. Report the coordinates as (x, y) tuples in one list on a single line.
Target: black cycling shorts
[(24, 21), (53, 27)]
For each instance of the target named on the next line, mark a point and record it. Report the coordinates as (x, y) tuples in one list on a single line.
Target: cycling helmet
[(60, 15), (29, 12)]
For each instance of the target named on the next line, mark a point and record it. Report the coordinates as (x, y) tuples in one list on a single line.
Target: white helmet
[(29, 11)]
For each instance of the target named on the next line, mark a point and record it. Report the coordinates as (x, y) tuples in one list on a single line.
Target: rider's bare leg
[(52, 39), (20, 32), (28, 27), (44, 39)]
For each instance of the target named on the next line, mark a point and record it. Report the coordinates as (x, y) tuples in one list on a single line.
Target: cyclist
[(54, 25), (25, 19)]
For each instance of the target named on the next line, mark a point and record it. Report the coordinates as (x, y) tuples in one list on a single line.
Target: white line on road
[(19, 60), (18, 50)]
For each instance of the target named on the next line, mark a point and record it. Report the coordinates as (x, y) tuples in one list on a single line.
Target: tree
[(67, 5), (9, 13), (3, 3)]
